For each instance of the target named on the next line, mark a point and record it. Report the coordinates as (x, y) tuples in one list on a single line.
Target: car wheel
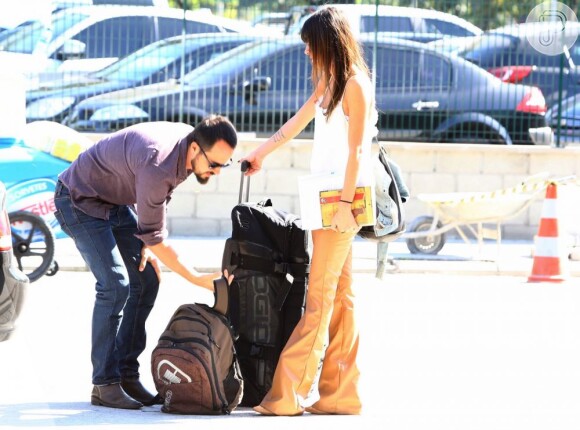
[(32, 243), (483, 137), (429, 244)]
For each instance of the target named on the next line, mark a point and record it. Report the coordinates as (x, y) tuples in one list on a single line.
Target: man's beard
[(199, 178)]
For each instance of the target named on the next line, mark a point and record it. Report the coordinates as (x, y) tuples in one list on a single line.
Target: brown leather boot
[(113, 396), (134, 388)]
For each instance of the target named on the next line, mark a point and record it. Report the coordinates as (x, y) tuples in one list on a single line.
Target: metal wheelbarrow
[(466, 213)]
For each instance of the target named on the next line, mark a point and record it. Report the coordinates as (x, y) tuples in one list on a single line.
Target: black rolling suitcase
[(268, 253)]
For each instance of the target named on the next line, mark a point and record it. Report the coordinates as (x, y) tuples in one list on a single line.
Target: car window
[(142, 63), (445, 27), (169, 27), (491, 49), (117, 37), (23, 39), (202, 55), (225, 68), (385, 23), (26, 37), (289, 70), (531, 57), (435, 73), (63, 20), (396, 68), (165, 55)]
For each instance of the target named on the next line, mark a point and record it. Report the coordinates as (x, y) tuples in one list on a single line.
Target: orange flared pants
[(327, 331)]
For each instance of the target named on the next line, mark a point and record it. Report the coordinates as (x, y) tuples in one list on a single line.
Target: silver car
[(13, 283)]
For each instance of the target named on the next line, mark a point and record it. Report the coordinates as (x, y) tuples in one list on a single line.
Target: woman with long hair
[(342, 105)]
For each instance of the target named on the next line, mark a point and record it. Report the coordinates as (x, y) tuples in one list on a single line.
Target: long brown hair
[(332, 43)]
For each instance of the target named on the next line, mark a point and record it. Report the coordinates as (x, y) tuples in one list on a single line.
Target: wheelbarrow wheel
[(429, 244), (32, 243)]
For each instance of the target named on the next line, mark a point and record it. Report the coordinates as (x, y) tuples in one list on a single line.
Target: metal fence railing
[(474, 71)]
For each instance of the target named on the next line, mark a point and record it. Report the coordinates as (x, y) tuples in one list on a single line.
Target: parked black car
[(566, 123), (508, 54), (154, 63), (421, 94), (13, 283)]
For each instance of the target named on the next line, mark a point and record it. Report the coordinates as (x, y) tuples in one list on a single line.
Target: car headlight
[(48, 107), (119, 112)]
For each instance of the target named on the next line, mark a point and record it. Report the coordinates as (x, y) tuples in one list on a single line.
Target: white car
[(421, 25), (88, 38), (13, 16)]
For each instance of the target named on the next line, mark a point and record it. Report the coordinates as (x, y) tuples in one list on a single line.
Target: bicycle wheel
[(32, 243)]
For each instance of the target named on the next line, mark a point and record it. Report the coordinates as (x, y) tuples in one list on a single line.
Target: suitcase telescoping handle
[(245, 166)]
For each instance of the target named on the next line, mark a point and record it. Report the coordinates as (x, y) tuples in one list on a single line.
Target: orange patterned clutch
[(362, 206)]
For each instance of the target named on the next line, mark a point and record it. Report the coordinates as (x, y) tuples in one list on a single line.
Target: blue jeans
[(125, 296)]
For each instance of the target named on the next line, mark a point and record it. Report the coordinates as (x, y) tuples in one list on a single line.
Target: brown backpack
[(194, 365)]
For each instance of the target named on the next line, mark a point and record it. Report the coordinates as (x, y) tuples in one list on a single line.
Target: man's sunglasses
[(213, 164)]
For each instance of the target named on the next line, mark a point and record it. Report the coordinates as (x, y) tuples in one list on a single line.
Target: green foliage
[(227, 8)]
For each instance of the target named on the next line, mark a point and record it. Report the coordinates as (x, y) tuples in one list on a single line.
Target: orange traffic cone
[(549, 256)]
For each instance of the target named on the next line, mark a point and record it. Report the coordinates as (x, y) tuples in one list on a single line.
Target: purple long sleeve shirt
[(140, 165)]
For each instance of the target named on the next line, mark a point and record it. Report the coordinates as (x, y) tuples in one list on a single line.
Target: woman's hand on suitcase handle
[(252, 162)]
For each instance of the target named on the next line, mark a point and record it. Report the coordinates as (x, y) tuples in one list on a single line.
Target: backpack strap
[(264, 265), (399, 197), (221, 295), (382, 259), (251, 256), (248, 349)]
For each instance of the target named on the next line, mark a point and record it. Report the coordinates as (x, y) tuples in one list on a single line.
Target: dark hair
[(211, 129), (334, 50)]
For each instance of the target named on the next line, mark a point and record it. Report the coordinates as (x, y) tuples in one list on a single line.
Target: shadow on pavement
[(69, 414)]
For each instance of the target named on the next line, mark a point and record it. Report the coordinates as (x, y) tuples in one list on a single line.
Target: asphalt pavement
[(460, 340)]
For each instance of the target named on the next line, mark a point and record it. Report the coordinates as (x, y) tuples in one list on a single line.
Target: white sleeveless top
[(330, 146)]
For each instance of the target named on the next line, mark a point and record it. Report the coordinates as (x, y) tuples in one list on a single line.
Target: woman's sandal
[(262, 410), (315, 411)]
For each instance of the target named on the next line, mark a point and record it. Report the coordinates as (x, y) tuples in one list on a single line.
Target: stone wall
[(429, 169)]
